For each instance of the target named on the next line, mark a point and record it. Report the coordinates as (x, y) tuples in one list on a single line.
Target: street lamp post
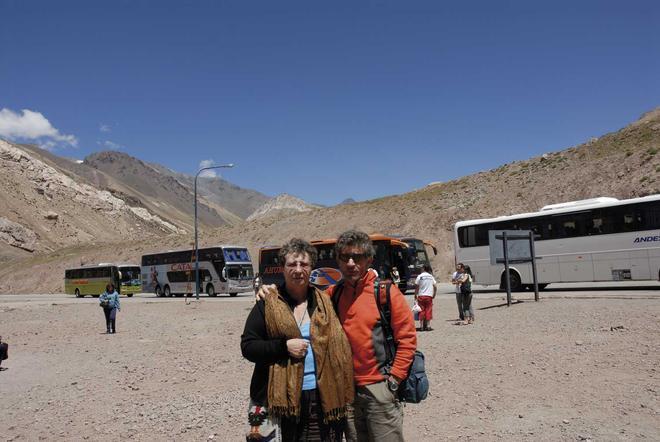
[(222, 166)]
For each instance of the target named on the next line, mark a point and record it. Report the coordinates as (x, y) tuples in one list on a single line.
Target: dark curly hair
[(296, 246), (355, 238)]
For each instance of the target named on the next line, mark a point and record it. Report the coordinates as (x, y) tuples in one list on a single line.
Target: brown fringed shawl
[(332, 354)]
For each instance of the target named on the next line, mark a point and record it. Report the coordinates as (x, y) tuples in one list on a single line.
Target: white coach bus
[(600, 239), (222, 269)]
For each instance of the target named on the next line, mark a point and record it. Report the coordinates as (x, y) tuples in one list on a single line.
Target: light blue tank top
[(309, 379)]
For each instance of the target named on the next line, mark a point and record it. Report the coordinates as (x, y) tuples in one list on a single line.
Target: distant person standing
[(462, 279), (456, 279), (425, 290), (466, 292), (256, 282), (109, 301), (4, 352)]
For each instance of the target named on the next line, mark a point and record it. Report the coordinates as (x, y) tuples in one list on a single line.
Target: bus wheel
[(166, 291), (210, 290), (514, 280), (130, 295), (78, 295), (158, 291), (233, 294)]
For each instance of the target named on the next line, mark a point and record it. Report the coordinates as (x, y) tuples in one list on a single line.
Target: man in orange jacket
[(378, 412)]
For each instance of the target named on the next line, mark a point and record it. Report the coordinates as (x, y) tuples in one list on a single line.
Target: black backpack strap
[(385, 311), (336, 294)]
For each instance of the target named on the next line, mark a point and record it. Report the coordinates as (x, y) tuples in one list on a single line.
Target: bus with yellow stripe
[(91, 280)]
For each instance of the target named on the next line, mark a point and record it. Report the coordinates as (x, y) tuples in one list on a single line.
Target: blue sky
[(326, 100)]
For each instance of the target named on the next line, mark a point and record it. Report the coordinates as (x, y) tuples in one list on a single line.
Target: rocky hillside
[(621, 164), (43, 209), (159, 189), (49, 202), (281, 206), (225, 203)]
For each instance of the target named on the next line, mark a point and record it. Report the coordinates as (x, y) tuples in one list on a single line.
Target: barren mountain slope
[(622, 164), (236, 199), (282, 205), (42, 208), (158, 189)]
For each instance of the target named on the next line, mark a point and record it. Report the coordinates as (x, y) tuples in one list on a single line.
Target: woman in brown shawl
[(303, 371)]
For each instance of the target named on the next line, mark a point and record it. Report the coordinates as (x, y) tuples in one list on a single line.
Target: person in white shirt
[(425, 290)]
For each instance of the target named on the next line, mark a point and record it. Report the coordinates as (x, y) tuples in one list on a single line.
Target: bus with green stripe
[(91, 280)]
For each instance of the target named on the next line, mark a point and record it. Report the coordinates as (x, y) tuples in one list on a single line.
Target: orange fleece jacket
[(359, 316)]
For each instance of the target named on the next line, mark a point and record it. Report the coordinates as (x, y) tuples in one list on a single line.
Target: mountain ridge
[(622, 164)]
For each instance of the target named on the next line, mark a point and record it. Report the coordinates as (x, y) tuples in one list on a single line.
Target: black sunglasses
[(345, 257)]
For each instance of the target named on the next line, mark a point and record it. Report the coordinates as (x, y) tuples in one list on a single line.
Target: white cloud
[(105, 128), (49, 145), (208, 173), (32, 126), (110, 145)]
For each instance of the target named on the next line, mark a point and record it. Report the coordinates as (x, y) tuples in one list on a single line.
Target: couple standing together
[(321, 369)]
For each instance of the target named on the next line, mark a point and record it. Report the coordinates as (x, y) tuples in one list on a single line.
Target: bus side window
[(570, 229), (596, 226)]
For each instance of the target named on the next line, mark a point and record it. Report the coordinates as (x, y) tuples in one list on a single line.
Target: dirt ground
[(560, 369)]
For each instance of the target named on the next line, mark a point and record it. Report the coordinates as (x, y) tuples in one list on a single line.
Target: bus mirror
[(224, 273)]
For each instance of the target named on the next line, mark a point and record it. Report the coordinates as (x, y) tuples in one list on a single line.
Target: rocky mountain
[(622, 164), (42, 208), (281, 206), (49, 202), (219, 202)]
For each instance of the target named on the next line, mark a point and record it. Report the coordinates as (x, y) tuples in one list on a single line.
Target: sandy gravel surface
[(561, 369)]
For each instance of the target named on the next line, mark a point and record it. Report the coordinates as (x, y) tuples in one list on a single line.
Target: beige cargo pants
[(377, 415)]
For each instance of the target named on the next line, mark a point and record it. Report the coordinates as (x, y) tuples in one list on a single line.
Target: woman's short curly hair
[(297, 246), (355, 238)]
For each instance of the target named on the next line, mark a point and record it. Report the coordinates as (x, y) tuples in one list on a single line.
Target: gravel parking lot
[(582, 364)]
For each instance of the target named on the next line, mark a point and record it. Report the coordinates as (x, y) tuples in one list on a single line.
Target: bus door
[(219, 267), (115, 277)]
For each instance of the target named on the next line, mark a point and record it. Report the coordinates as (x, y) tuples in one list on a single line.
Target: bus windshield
[(129, 274), (241, 272), (236, 255)]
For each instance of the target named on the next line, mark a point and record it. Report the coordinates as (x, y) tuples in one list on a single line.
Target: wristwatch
[(392, 385)]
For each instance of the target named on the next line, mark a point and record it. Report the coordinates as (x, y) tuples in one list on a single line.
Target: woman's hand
[(264, 290), (297, 348)]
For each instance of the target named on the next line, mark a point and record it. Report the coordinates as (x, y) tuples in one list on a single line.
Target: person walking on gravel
[(109, 301), (425, 290)]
